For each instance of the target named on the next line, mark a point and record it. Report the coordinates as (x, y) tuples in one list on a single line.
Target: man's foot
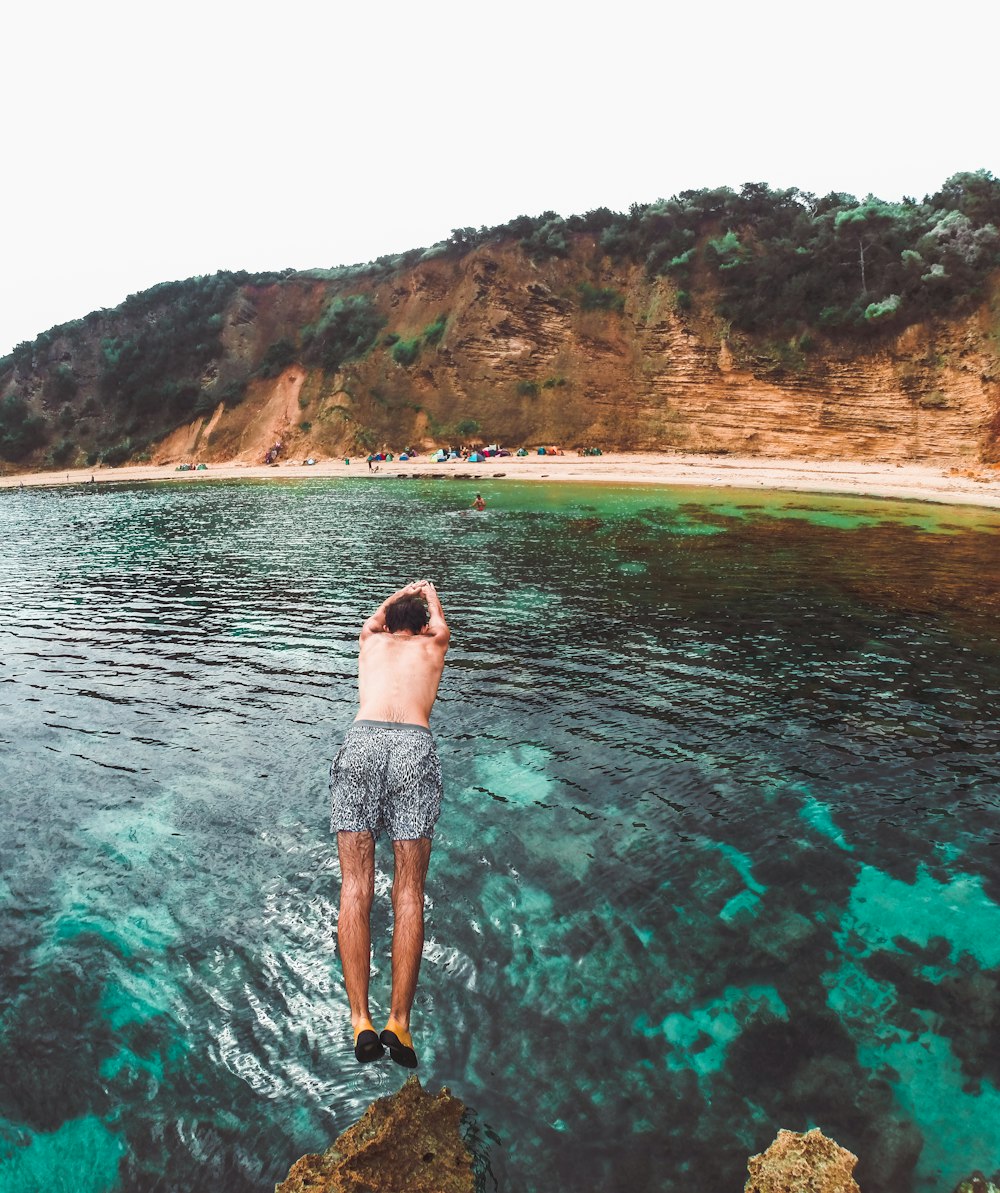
[(400, 1045), (366, 1044)]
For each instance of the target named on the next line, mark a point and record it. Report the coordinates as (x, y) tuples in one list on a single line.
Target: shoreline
[(978, 486)]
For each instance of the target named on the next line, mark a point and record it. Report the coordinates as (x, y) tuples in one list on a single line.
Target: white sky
[(148, 142)]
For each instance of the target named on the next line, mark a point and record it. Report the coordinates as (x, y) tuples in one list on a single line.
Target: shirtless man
[(387, 777)]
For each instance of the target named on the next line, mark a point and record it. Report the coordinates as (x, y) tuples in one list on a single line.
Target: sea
[(718, 853)]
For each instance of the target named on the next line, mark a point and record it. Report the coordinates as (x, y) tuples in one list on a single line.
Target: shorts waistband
[(391, 725)]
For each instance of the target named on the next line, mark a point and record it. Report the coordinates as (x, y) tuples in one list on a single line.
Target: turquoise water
[(719, 851)]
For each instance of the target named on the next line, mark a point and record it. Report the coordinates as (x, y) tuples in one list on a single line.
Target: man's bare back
[(399, 673)]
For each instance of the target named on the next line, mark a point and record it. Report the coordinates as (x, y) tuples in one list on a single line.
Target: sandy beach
[(978, 486)]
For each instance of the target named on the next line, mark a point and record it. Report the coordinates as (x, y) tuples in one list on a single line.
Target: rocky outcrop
[(406, 1143), (808, 1163)]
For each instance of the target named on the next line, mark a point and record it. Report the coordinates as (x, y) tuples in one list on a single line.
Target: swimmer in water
[(479, 504)]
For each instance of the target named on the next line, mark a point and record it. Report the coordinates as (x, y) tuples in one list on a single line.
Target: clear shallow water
[(719, 851)]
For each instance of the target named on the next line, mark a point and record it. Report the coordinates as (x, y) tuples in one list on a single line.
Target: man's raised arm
[(437, 626), (376, 623)]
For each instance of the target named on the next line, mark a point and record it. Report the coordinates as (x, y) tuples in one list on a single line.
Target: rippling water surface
[(719, 851)]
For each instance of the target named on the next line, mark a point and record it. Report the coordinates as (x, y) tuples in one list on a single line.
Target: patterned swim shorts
[(386, 777)]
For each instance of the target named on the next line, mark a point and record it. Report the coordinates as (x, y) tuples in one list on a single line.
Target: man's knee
[(411, 859), (357, 893)]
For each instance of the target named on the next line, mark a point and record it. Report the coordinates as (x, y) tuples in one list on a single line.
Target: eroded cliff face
[(521, 361), (528, 355)]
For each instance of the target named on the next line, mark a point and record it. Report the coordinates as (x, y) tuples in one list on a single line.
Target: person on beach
[(387, 777)]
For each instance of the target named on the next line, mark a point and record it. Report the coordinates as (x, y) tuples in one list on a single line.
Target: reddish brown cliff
[(521, 361)]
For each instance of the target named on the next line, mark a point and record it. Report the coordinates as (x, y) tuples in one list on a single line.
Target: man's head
[(407, 613)]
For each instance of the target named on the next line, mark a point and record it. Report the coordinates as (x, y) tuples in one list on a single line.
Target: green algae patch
[(700, 1038), (961, 1127), (142, 930), (518, 776), (133, 997), (819, 818), (82, 1156), (883, 908)]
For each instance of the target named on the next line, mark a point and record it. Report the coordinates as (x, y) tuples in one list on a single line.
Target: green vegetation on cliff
[(347, 328), (787, 260), (20, 431), (153, 375)]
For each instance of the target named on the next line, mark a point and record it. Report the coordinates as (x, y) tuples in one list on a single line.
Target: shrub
[(547, 238), (434, 331), (527, 389), (405, 352), (232, 393), (727, 249), (468, 426), (305, 426), (348, 327), (600, 298), (118, 453), (63, 452), (60, 385), (20, 430), (205, 404), (876, 312), (277, 358)]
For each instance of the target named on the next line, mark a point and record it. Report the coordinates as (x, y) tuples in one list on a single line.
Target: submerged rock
[(408, 1142), (890, 1149), (977, 1183), (797, 1163)]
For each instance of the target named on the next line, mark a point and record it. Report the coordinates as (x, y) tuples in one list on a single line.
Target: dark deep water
[(718, 856)]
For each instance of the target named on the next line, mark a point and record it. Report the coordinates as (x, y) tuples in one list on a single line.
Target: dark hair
[(407, 613)]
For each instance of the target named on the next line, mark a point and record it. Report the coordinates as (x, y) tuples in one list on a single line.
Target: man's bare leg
[(354, 936), (411, 859)]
